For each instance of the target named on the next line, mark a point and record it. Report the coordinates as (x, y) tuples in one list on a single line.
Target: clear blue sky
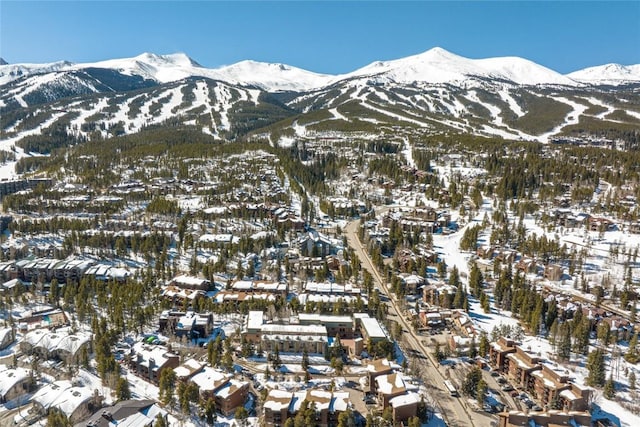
[(327, 37)]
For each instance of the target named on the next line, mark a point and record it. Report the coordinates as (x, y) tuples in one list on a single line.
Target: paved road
[(455, 410)]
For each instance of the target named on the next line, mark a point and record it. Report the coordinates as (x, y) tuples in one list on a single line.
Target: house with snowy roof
[(15, 382), (148, 361), (547, 382), (370, 328), (127, 413), (227, 392), (61, 344), (498, 351), (404, 406), (190, 282), (7, 337), (389, 386), (41, 316), (546, 419), (376, 368), (76, 403), (189, 323), (281, 405), (188, 369), (314, 243)]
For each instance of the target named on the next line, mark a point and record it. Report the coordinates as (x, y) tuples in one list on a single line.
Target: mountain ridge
[(435, 91), (435, 65)]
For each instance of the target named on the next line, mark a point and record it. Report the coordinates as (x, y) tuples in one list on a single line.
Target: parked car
[(507, 388)]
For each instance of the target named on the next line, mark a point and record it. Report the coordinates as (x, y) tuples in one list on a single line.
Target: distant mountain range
[(433, 91), (433, 66)]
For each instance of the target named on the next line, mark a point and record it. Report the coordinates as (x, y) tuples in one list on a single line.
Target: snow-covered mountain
[(161, 68), (433, 66), (440, 66), (11, 72), (178, 66), (433, 91), (272, 77), (611, 74)]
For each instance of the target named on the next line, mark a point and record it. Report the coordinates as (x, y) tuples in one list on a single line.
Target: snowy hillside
[(614, 74), (434, 91), (433, 66), (272, 77), (178, 66), (440, 66), (11, 72)]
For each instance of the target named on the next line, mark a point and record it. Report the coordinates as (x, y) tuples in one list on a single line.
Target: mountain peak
[(436, 52), (608, 74), (173, 59), (3, 62)]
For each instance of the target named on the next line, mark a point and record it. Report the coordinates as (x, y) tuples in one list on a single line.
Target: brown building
[(281, 405), (549, 385), (389, 386), (520, 365), (404, 406), (190, 324), (336, 325), (498, 352), (376, 368), (227, 392), (148, 361), (544, 419)]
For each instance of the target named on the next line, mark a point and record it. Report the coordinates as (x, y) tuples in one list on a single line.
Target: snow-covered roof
[(328, 287), (189, 280), (127, 413), (10, 377), (255, 320), (323, 318), (210, 379), (373, 328), (274, 329), (277, 400), (331, 299), (321, 398), (379, 365), (63, 396), (405, 400), (173, 291), (229, 388), (391, 383), (187, 368), (158, 354), (60, 340), (340, 401), (4, 332)]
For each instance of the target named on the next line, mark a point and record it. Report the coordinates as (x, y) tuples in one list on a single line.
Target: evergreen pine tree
[(473, 349), (122, 389), (633, 355), (483, 346), (481, 391), (609, 388), (595, 366)]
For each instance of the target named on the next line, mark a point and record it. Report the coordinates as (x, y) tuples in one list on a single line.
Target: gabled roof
[(128, 413)]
